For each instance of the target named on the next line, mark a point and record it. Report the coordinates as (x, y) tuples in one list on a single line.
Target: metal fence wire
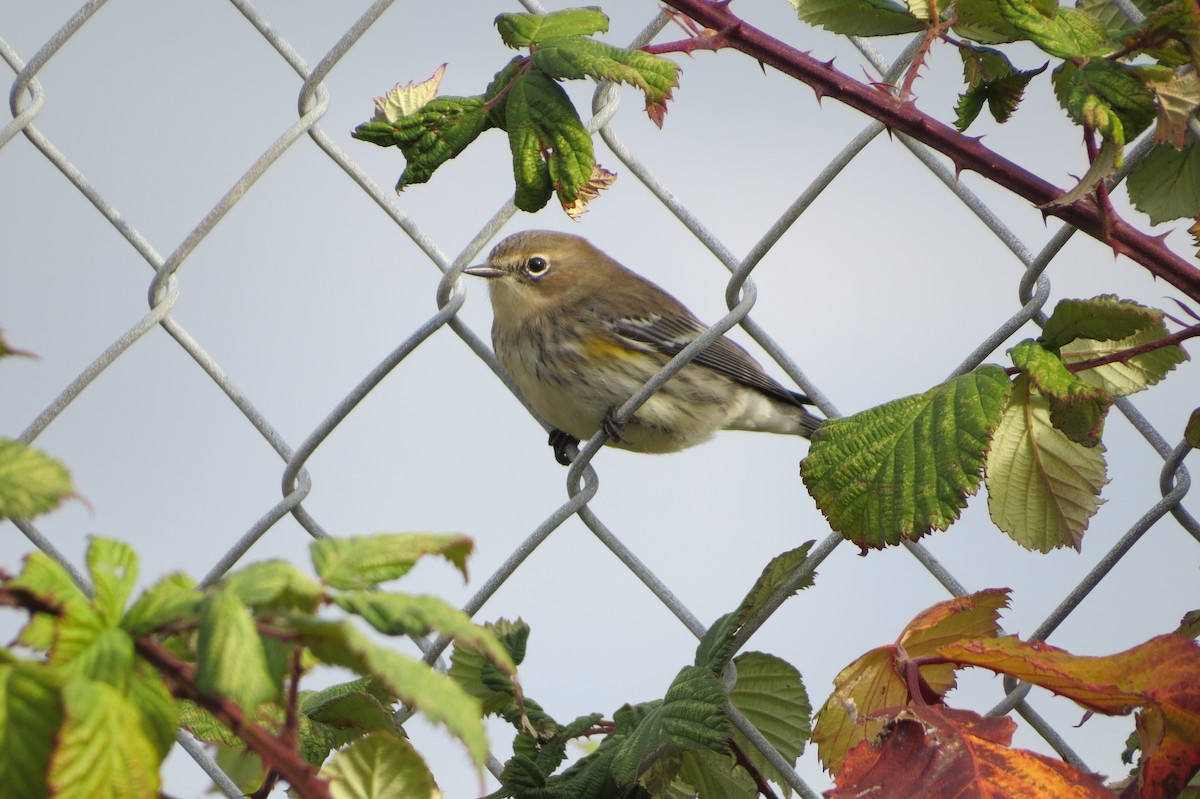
[(30, 101)]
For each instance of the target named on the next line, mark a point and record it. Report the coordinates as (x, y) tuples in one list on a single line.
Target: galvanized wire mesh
[(28, 100)]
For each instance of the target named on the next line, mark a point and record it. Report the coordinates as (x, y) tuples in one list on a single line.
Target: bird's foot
[(561, 441), (611, 427)]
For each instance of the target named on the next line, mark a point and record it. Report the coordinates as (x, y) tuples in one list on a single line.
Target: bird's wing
[(670, 334)]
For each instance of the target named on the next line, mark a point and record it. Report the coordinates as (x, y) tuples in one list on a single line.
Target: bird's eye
[(536, 266)]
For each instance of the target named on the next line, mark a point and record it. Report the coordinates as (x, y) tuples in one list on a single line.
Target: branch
[(275, 754), (1124, 356), (965, 152)]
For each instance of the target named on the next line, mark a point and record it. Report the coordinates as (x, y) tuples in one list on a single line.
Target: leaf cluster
[(887, 732), (1033, 433), (552, 151), (1113, 77), (680, 745), (95, 711)]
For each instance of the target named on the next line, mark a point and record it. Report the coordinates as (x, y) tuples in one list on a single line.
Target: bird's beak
[(484, 270)]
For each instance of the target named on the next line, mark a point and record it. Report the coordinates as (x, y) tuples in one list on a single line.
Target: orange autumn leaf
[(876, 680), (938, 753), (1160, 678)]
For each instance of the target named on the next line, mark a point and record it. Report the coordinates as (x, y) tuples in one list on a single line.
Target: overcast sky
[(879, 290)]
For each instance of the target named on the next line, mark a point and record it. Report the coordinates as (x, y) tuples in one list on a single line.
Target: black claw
[(560, 441), (611, 427)]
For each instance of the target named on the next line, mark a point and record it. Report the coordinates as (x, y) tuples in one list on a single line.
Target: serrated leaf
[(981, 21), (714, 648), (31, 482), (364, 561), (398, 614), (380, 766), (876, 680), (690, 716), (771, 695), (1107, 96), (171, 599), (574, 57), (85, 647), (433, 694), (102, 749), (274, 585), (406, 99), (1165, 184), (601, 179), (1061, 32), (550, 147), (231, 660), (1191, 431), (114, 569), (436, 133), (205, 727), (522, 30), (160, 716), (356, 711), (1043, 488), (858, 17), (46, 578), (1139, 372), (713, 774), (30, 716), (1102, 318), (1176, 102), (1077, 407), (904, 468), (991, 79)]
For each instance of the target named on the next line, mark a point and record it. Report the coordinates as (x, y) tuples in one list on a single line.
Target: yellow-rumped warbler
[(580, 334)]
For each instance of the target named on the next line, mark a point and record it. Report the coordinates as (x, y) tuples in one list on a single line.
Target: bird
[(579, 334)]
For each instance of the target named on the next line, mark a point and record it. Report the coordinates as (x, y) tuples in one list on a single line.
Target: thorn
[(762, 66), (827, 64)]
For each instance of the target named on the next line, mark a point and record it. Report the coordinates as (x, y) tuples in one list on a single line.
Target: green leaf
[(436, 133), (205, 727), (114, 569), (159, 714), (1104, 317), (85, 647), (716, 645), (1139, 372), (771, 695), (1106, 162), (1107, 96), (436, 696), (858, 17), (397, 614), (551, 149), (364, 561), (1165, 184), (31, 482), (45, 577), (690, 716), (1061, 32), (171, 599), (1042, 487), (522, 30), (575, 57), (1077, 407), (30, 716), (1191, 431), (231, 660), (102, 749), (906, 467), (356, 712), (981, 21), (380, 766), (991, 79), (274, 585), (713, 774)]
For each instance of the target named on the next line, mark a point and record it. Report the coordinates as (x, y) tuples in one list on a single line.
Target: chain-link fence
[(284, 291)]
